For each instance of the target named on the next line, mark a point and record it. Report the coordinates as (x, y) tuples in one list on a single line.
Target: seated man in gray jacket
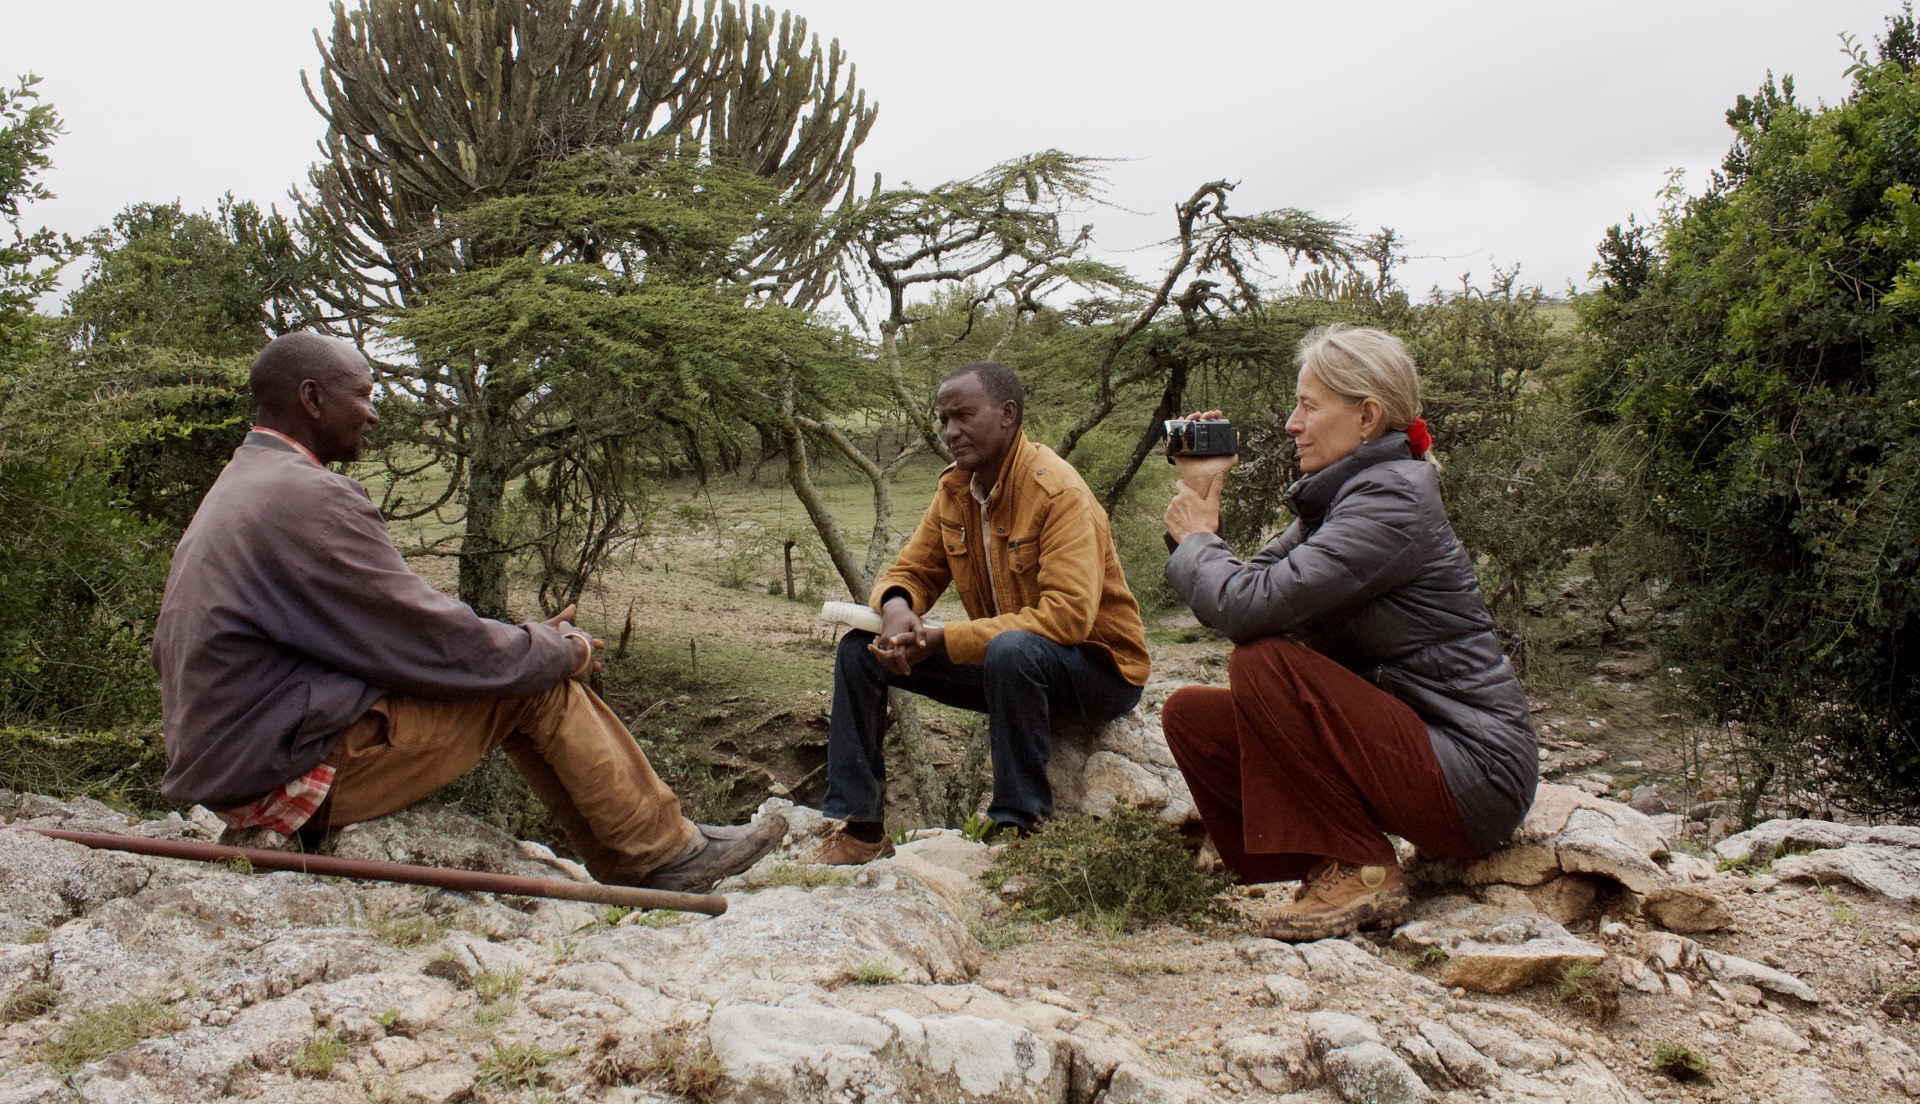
[(308, 678)]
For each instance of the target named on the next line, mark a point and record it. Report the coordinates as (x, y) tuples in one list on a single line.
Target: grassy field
[(724, 679)]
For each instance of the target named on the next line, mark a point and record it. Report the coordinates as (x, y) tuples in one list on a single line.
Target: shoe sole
[(1368, 916)]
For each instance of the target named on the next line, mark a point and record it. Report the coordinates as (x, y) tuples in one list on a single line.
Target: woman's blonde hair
[(1365, 364), (1357, 364)]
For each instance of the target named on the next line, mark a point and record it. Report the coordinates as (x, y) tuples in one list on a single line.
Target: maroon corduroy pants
[(1300, 759)]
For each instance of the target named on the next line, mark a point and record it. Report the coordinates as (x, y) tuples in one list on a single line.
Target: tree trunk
[(1171, 398), (483, 564), (800, 477)]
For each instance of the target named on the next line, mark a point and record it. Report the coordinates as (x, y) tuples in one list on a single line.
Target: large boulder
[(1125, 760), (1571, 832)]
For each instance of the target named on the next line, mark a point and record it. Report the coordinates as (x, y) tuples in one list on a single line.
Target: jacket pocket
[(1023, 554), (953, 541)]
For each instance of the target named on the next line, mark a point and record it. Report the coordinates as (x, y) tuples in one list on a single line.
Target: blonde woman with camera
[(1368, 694)]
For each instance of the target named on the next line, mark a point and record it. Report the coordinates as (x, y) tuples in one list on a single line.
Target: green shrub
[(120, 768), (1679, 1062), (80, 582), (1127, 869)]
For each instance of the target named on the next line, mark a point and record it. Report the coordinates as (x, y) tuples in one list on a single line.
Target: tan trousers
[(575, 754)]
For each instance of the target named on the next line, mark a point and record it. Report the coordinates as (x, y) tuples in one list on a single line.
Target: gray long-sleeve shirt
[(288, 612), (1371, 575)]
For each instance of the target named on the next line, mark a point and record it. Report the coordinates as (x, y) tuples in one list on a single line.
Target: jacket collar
[(1312, 495), (273, 438), (957, 481)]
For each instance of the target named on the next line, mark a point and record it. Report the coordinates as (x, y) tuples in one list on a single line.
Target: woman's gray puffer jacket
[(1371, 576)]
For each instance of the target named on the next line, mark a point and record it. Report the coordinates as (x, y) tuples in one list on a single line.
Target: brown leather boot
[(841, 849), (1339, 899), (716, 853)]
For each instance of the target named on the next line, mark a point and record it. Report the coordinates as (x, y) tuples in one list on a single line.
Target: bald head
[(317, 390), (291, 358)]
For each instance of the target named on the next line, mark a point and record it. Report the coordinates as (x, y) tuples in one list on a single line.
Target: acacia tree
[(622, 339), (1216, 271), (1758, 346), (158, 337), (1001, 238), (435, 106)]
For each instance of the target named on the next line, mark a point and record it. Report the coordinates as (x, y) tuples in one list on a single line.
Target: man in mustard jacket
[(1051, 630)]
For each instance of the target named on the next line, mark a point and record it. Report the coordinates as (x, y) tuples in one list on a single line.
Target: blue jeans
[(1024, 684)]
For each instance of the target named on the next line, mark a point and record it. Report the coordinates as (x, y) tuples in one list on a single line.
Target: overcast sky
[(1483, 132)]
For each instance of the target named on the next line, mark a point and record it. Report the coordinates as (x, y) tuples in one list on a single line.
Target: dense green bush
[(1757, 345), (80, 581)]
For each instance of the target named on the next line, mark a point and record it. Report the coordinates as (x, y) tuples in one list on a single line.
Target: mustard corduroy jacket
[(1045, 550)]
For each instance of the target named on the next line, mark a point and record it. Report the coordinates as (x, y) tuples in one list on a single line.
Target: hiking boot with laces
[(1339, 899), (842, 849)]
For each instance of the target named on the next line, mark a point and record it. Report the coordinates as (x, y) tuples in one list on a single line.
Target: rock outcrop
[(874, 984), (1124, 760)]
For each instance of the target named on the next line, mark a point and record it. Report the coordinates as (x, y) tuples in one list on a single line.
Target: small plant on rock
[(1691, 847), (29, 1002), (492, 986), (1000, 929), (976, 828), (316, 1056), (1679, 1062), (517, 1065), (681, 1064), (401, 929), (873, 972), (106, 1031), (1837, 906), (1149, 967), (806, 877), (1126, 869), (1593, 989)]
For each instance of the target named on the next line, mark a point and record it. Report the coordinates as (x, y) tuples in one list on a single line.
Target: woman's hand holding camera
[(1196, 496)]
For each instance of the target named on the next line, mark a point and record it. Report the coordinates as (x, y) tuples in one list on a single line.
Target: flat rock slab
[(1883, 860), (805, 1055), (1509, 968)]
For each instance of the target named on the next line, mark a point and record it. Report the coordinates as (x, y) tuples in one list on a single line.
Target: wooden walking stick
[(467, 881)]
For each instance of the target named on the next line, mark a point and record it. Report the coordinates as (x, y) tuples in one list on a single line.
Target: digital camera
[(1197, 437)]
